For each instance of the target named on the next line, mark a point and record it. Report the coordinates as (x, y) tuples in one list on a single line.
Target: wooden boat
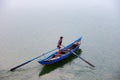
[(65, 52)]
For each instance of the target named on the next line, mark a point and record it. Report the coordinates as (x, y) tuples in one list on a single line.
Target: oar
[(83, 59), (12, 69)]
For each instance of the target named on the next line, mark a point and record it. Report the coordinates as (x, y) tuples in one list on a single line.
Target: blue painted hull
[(52, 59)]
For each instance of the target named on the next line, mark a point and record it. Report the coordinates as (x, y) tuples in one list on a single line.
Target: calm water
[(29, 28)]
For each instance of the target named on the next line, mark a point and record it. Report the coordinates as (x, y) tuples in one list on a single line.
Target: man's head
[(61, 37)]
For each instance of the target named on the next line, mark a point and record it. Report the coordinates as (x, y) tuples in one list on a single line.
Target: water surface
[(29, 28)]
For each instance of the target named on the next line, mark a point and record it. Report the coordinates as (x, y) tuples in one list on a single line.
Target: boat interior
[(64, 51)]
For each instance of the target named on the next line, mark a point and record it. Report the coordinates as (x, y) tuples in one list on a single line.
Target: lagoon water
[(29, 28)]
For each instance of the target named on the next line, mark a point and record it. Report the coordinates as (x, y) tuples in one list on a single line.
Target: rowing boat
[(65, 52)]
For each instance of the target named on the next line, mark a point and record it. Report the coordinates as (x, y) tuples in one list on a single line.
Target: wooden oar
[(12, 69), (83, 59)]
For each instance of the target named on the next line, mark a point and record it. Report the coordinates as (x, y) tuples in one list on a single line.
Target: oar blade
[(12, 69), (83, 59), (87, 61)]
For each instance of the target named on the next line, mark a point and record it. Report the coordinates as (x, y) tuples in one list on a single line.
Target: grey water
[(29, 28)]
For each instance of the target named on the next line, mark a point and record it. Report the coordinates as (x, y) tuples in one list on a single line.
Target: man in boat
[(59, 45)]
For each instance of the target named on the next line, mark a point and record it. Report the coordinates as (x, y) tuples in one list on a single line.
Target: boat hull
[(52, 59)]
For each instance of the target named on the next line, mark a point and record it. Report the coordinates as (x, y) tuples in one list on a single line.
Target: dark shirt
[(59, 43)]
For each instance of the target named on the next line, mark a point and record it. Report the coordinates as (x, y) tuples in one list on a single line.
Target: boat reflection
[(48, 68)]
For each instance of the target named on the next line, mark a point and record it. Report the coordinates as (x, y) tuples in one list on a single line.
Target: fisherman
[(59, 45)]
